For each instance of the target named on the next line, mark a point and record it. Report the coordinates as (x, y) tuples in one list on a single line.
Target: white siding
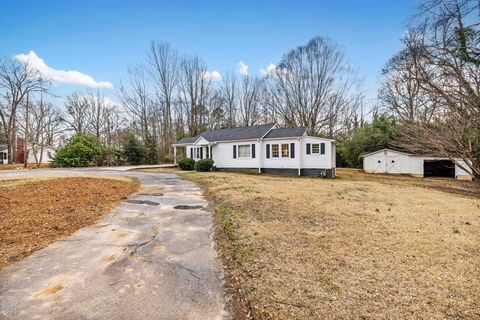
[(416, 166), (317, 161), (201, 141), (374, 163), (387, 161), (281, 163), (460, 173), (47, 157), (223, 155)]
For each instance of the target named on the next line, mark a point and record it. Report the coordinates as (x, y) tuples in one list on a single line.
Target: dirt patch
[(356, 247), (35, 213)]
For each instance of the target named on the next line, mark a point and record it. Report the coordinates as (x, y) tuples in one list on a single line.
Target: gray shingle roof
[(187, 140), (230, 134), (286, 132), (3, 147)]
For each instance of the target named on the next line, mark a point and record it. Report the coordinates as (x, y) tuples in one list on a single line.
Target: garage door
[(393, 164)]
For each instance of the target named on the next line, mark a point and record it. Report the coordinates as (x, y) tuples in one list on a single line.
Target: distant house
[(264, 149), (3, 154), (36, 154), (396, 162), (33, 153)]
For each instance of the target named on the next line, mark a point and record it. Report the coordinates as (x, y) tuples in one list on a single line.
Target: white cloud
[(214, 75), (61, 76), (242, 68), (269, 70), (107, 101)]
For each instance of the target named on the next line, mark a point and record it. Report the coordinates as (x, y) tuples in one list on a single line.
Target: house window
[(275, 151), (196, 153), (318, 148), (244, 151), (285, 150)]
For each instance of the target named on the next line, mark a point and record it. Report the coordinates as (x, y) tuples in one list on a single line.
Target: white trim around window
[(244, 151), (318, 148), (280, 151)]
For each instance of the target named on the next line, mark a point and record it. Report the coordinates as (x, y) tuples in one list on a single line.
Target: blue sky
[(103, 38)]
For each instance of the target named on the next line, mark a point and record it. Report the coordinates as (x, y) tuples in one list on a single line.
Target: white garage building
[(396, 162)]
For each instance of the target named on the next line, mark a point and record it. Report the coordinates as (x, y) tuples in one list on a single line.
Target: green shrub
[(82, 150), (186, 164), (204, 165), (112, 157)]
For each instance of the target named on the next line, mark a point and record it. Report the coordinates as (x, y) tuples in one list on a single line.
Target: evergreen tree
[(133, 150), (371, 137), (151, 156)]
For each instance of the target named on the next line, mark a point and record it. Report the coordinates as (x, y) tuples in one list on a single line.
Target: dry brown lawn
[(35, 212), (357, 247)]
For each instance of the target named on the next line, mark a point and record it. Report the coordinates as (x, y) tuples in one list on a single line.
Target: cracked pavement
[(143, 260)]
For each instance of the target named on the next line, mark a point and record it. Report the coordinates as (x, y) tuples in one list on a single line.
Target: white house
[(3, 154), (396, 162), (34, 154), (264, 149)]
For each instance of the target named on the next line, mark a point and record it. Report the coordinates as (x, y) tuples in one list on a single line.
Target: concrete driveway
[(152, 257)]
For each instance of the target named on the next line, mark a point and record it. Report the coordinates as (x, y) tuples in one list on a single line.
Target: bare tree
[(401, 94), (76, 106), (250, 100), (97, 113), (164, 68), (45, 125), (115, 123), (194, 89), (314, 86), (137, 98), (17, 80), (229, 98), (449, 50), (215, 115)]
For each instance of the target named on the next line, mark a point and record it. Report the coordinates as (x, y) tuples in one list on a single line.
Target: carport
[(439, 168)]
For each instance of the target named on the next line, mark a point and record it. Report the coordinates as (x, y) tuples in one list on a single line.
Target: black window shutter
[(253, 150), (292, 150), (234, 152), (201, 152), (191, 153), (322, 148), (268, 151), (308, 148)]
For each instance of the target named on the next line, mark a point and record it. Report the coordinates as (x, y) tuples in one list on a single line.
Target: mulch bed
[(35, 214)]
